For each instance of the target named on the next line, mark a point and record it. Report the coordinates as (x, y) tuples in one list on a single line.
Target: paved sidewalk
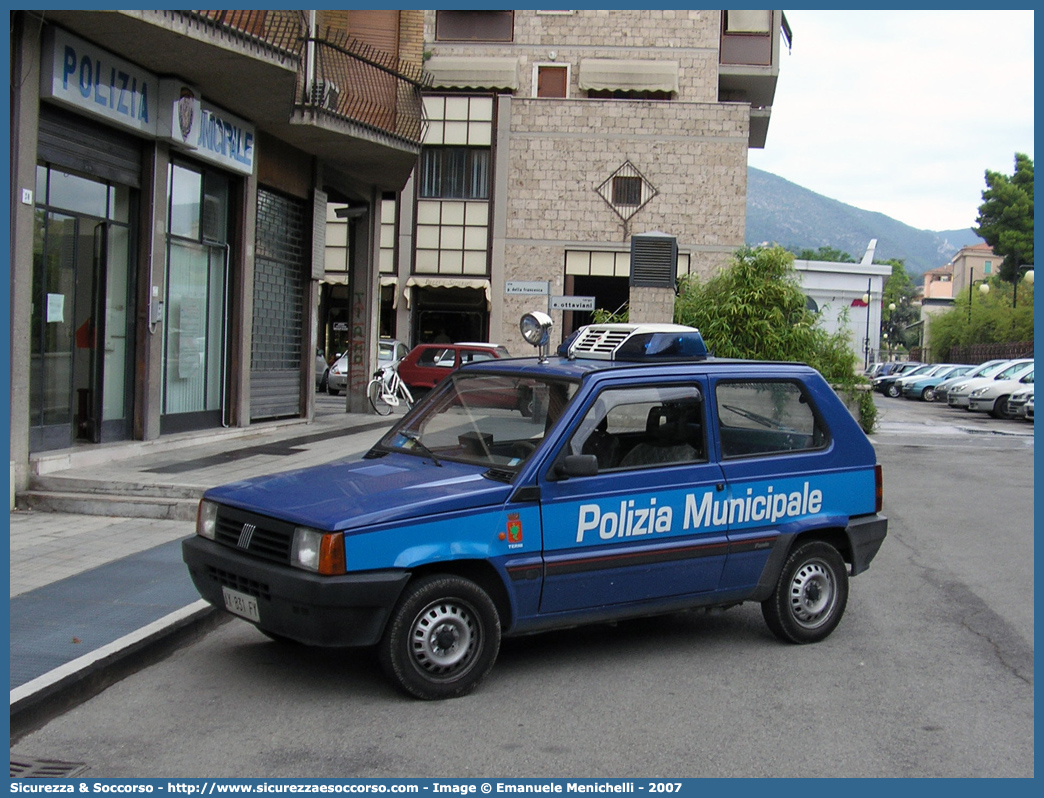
[(90, 592)]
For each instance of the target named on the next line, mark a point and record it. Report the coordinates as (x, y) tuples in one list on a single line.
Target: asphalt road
[(930, 673)]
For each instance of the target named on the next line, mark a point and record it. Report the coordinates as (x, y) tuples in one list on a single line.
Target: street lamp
[(866, 340), (984, 288)]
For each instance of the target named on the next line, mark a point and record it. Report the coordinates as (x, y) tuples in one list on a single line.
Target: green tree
[(1005, 220), (755, 309), (897, 309), (984, 319), (825, 253)]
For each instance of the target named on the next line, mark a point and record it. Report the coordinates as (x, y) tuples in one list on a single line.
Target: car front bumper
[(346, 610), (981, 405)]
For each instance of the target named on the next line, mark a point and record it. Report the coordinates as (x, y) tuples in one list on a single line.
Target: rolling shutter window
[(378, 29), (81, 145)]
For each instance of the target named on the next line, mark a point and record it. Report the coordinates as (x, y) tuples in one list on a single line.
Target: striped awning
[(607, 74), (472, 73)]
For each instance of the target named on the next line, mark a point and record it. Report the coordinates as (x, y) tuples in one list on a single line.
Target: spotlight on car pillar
[(536, 329)]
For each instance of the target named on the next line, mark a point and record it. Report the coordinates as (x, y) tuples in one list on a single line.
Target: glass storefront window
[(77, 194), (185, 198)]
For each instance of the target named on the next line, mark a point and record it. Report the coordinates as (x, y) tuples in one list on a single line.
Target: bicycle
[(387, 391)]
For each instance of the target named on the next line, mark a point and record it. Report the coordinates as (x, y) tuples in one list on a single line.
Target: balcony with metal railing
[(355, 107)]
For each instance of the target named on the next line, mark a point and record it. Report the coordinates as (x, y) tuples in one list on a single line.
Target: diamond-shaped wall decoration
[(626, 191)]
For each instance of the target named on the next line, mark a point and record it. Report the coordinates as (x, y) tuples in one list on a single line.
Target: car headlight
[(978, 392), (319, 552), (206, 519)]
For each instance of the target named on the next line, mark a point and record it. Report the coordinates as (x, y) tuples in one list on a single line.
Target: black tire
[(324, 381), (1000, 408), (331, 390), (380, 407), (811, 595), (928, 394), (892, 391), (442, 638)]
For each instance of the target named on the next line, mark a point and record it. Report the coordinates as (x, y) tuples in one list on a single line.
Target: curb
[(38, 701)]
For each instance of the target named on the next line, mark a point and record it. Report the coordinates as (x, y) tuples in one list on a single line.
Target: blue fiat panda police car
[(631, 475)]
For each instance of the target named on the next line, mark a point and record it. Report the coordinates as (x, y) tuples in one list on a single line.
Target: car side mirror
[(577, 465)]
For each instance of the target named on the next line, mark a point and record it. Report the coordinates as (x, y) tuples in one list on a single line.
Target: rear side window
[(766, 417), (475, 355), (436, 356)]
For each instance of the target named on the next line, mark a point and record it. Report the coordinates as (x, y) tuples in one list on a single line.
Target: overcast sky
[(902, 112)]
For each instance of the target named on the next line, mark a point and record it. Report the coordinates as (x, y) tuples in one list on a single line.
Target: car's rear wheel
[(811, 595), (442, 639)]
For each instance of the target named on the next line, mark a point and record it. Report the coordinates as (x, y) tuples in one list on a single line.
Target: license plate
[(241, 604)]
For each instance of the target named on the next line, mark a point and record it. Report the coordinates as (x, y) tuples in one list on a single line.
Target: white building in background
[(839, 291)]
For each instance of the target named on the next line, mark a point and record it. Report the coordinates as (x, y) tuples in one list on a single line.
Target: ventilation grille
[(654, 261), (599, 341)]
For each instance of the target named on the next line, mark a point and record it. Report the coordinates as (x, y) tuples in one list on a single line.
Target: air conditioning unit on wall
[(325, 94)]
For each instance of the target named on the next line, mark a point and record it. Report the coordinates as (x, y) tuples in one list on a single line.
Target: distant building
[(938, 283), (972, 264), (838, 292)]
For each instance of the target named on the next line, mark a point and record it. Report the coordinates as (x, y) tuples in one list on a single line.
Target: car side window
[(766, 417), (644, 427), (475, 355), (436, 356)]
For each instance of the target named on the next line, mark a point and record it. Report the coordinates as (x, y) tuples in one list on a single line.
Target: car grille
[(256, 535)]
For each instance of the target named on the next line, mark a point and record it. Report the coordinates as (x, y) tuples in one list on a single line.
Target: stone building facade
[(572, 132)]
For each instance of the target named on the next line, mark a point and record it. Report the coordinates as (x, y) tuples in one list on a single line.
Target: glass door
[(195, 339), (80, 351)]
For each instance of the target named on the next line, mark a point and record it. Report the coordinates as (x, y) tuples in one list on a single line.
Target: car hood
[(351, 494)]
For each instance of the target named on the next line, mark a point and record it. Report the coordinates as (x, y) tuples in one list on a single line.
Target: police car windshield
[(493, 420)]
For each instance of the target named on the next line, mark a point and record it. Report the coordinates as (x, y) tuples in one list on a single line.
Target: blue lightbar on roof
[(662, 346)]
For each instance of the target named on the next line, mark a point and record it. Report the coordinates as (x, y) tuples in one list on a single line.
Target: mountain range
[(784, 213)]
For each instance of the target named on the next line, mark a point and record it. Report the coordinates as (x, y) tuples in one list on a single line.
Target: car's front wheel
[(1000, 408), (442, 639), (893, 391), (811, 595), (928, 394)]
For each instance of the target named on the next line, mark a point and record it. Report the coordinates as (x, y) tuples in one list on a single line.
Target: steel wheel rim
[(444, 639), (813, 594)]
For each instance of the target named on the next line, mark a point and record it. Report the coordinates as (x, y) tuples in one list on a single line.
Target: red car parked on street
[(426, 364)]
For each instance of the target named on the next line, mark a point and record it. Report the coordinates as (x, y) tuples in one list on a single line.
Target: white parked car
[(987, 369), (958, 395), (993, 397), (1019, 401)]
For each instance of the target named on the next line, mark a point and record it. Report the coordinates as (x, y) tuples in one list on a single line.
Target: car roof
[(579, 368), (458, 344)]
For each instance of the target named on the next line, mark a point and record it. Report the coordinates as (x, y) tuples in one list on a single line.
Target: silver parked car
[(389, 351)]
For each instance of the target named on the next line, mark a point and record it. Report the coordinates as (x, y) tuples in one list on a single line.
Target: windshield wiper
[(412, 436)]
